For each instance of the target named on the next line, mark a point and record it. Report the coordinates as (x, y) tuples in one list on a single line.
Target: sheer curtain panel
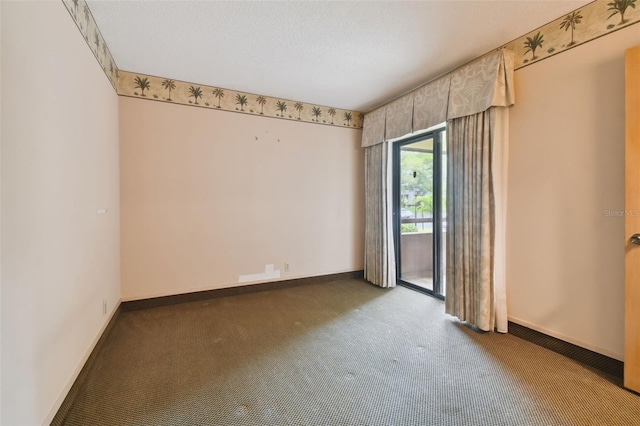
[(379, 254)]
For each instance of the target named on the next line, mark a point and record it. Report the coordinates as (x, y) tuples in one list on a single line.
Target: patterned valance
[(399, 117), (484, 83), (472, 88), (430, 103), (373, 128)]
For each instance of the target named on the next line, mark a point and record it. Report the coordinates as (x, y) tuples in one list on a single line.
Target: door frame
[(632, 220), (438, 262)]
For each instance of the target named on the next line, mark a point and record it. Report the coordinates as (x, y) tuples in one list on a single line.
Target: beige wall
[(60, 258), (565, 255), (208, 196)]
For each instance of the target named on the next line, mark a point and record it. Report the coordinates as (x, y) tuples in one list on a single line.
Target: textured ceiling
[(352, 55)]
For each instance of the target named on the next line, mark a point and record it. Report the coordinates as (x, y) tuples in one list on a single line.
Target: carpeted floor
[(337, 353)]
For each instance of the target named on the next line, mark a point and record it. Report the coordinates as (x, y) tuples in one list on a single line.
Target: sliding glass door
[(419, 217)]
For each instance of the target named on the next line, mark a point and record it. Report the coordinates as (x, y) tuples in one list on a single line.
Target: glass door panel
[(441, 225), (420, 212), (416, 214)]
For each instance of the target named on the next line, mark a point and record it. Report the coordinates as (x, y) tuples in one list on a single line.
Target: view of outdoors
[(416, 193), (416, 189)]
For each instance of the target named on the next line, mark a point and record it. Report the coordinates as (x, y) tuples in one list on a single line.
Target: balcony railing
[(417, 252)]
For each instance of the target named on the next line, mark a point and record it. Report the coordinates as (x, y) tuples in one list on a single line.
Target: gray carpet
[(336, 353)]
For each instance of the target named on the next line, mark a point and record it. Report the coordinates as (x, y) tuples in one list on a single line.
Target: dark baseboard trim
[(155, 302), (585, 356), (58, 419)]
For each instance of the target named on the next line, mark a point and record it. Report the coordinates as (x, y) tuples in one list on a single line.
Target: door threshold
[(420, 289)]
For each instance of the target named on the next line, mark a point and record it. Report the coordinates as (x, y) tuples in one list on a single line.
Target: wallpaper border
[(594, 20), (217, 98), (582, 25), (82, 16), (148, 87)]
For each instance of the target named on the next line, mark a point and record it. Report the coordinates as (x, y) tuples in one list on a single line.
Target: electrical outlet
[(286, 267)]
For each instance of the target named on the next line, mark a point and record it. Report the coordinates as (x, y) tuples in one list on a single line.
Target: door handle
[(635, 239)]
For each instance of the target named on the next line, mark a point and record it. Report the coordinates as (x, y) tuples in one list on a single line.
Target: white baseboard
[(606, 352), (63, 394)]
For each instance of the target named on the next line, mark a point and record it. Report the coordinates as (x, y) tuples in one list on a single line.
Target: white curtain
[(500, 173), (379, 254)]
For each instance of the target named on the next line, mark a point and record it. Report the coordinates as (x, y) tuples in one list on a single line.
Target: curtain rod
[(436, 78)]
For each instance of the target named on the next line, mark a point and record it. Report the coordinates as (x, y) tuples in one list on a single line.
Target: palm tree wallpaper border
[(580, 26), (145, 86), (81, 14)]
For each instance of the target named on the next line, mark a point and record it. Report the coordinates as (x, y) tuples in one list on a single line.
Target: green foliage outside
[(421, 185), (408, 227), (416, 187)]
